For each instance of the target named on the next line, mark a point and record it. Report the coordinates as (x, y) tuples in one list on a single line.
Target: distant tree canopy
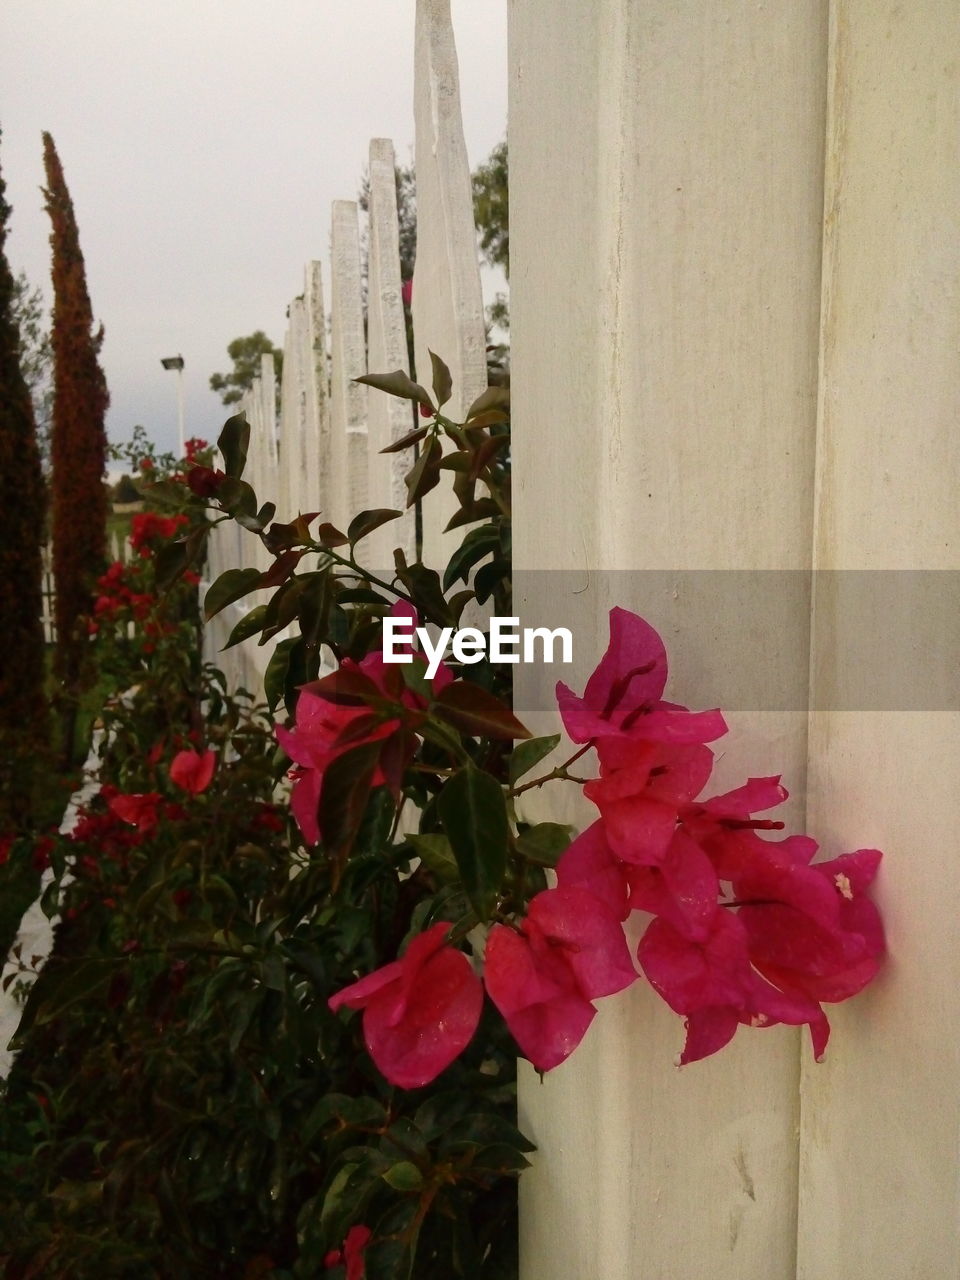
[(245, 354), (491, 207)]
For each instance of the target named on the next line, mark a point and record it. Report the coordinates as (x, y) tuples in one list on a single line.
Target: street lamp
[(176, 362)]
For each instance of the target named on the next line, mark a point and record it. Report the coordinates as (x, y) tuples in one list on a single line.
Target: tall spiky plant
[(78, 438), (24, 719)]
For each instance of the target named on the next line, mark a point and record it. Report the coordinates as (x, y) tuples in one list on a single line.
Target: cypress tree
[(78, 444), (23, 709)]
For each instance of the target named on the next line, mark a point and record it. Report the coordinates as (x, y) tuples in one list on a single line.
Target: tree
[(245, 354), (78, 438), (23, 707), (36, 358), (491, 207)]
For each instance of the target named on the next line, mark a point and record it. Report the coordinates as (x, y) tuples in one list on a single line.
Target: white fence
[(734, 301), (119, 549), (321, 452)]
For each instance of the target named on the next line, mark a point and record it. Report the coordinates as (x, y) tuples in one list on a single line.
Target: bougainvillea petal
[(691, 974), (632, 672), (638, 829), (420, 1012), (192, 770), (589, 936), (683, 889), (589, 863), (708, 1031), (412, 1045), (538, 995)]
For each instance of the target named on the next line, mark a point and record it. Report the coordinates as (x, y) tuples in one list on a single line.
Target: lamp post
[(176, 362)]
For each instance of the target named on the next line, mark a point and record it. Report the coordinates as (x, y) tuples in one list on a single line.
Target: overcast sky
[(203, 142)]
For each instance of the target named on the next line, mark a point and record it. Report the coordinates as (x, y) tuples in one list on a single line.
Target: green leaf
[(238, 499), (275, 676), (233, 442), (329, 536), (406, 441), (530, 753), (230, 586), (492, 398), (442, 382), (367, 521), (477, 544), (343, 797), (471, 512), (281, 569), (403, 1176), (473, 811), (475, 711), (60, 986), (281, 537), (544, 843), (425, 472), (436, 853), (399, 384)]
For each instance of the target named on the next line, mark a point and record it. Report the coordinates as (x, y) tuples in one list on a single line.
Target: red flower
[(420, 1012), (204, 481), (357, 1239), (148, 528), (326, 726), (140, 810), (622, 697), (570, 950), (192, 771)]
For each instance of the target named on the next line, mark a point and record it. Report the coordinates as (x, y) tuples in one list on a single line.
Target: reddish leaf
[(472, 710)]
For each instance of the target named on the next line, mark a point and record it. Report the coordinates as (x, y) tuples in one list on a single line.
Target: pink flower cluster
[(326, 728), (744, 931)]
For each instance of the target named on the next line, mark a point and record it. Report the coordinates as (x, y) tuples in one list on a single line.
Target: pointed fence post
[(348, 399), (448, 314), (389, 418)]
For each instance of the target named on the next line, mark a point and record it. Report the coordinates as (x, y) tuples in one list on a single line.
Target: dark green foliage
[(23, 711), (79, 442)]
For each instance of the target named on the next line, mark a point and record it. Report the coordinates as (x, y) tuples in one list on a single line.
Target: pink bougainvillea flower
[(569, 951), (641, 790), (420, 1012), (193, 770), (712, 983), (323, 731), (537, 993), (140, 810), (802, 954), (683, 888), (357, 1239), (623, 696), (366, 701), (589, 863)]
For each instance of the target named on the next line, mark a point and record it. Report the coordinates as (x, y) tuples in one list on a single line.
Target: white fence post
[(880, 1151), (389, 418), (447, 298), (348, 399), (316, 487), (666, 195)]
